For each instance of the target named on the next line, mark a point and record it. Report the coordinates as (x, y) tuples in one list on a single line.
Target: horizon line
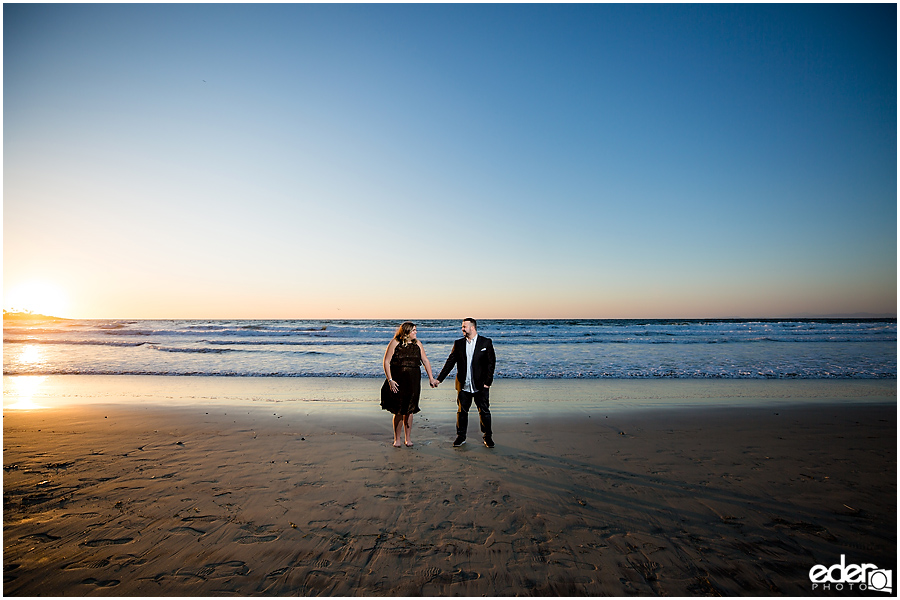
[(15, 315)]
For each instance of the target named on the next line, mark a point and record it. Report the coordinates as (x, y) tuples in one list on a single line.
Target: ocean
[(526, 349)]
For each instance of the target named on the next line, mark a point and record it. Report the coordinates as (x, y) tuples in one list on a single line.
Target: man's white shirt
[(470, 352)]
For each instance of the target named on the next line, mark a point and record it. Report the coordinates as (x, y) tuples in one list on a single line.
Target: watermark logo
[(855, 578)]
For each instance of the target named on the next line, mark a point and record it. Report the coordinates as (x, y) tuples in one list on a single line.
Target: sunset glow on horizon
[(38, 297), (296, 161)]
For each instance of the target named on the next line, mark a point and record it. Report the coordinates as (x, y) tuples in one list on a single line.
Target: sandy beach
[(309, 498)]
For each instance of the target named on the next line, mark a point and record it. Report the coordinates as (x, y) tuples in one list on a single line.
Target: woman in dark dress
[(400, 393)]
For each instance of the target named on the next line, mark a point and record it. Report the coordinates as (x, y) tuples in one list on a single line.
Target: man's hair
[(472, 321)]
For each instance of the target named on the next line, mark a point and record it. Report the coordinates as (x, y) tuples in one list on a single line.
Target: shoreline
[(227, 494), (51, 391)]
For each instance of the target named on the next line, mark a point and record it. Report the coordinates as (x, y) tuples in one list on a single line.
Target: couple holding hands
[(473, 357)]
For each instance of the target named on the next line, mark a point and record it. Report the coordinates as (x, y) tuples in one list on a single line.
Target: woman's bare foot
[(409, 444), (397, 444)]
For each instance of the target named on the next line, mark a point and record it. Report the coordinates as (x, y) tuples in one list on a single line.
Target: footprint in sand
[(255, 539), (106, 542), (513, 527), (456, 576), (94, 564), (41, 537), (207, 518), (104, 583), (33, 499), (218, 570), (256, 535), (191, 530), (441, 526), (431, 573), (320, 579)]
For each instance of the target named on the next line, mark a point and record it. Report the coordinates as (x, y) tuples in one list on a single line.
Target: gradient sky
[(418, 161)]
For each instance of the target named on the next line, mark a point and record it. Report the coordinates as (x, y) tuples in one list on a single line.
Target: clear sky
[(417, 161)]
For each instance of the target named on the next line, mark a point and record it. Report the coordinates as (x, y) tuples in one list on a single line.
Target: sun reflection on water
[(30, 354), (20, 394)]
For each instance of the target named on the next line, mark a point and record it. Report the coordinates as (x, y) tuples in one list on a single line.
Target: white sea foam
[(526, 349)]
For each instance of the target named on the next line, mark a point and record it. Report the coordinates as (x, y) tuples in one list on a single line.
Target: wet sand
[(272, 498)]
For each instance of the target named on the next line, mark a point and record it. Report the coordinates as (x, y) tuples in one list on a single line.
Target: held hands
[(396, 387)]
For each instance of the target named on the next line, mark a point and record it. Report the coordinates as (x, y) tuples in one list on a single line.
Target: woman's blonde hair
[(403, 332)]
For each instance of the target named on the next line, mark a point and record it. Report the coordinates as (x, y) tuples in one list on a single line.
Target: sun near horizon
[(38, 297)]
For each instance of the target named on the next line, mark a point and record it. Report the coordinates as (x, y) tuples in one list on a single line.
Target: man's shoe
[(459, 441), (489, 442)]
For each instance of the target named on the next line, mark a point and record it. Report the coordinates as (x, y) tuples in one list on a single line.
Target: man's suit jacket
[(483, 361)]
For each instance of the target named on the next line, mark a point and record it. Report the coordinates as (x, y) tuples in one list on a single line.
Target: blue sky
[(415, 161)]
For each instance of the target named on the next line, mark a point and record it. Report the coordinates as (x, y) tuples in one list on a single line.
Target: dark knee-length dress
[(406, 372)]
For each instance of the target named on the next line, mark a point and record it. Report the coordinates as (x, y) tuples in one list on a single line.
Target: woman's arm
[(388, 353), (434, 382)]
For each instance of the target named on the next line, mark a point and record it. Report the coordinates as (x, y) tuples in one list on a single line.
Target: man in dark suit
[(473, 356)]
